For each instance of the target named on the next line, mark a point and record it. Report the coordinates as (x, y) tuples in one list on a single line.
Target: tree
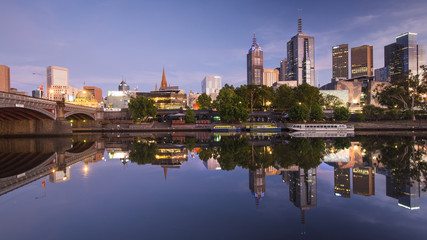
[(285, 98), (298, 112), (372, 112), (341, 114), (307, 95), (331, 102), (256, 97), (231, 107), (190, 117), (143, 152), (316, 112), (405, 92), (142, 108), (204, 101)]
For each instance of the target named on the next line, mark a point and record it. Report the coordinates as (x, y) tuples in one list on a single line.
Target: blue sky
[(102, 41)]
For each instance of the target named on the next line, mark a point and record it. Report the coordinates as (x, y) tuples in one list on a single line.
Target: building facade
[(255, 64), (4, 78), (340, 61), (270, 77), (57, 83), (404, 55), (362, 61), (283, 75), (300, 56), (211, 85), (382, 74), (95, 92)]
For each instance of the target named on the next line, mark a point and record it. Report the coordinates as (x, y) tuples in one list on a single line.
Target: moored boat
[(225, 128), (264, 128), (322, 127)]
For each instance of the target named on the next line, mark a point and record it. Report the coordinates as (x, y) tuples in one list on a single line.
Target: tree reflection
[(143, 152)]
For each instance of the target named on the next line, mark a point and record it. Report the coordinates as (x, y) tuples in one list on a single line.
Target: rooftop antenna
[(299, 20), (254, 40)]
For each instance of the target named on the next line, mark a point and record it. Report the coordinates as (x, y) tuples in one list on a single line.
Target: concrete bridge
[(24, 115)]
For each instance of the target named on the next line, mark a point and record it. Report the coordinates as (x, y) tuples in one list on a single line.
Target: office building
[(96, 92), (364, 181), (211, 85), (382, 75), (404, 55), (340, 61), (283, 74), (57, 83), (300, 55), (362, 61), (342, 182), (37, 93), (4, 78), (255, 65), (270, 77)]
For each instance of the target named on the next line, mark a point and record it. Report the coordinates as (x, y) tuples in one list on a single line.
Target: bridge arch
[(18, 112), (78, 116)]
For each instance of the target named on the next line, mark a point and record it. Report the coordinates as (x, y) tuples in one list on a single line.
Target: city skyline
[(103, 42)]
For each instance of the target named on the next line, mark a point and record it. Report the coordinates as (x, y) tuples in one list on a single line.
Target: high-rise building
[(303, 188), (57, 83), (342, 182), (4, 78), (257, 183), (255, 65), (404, 55), (382, 74), (340, 61), (271, 76), (211, 86), (300, 55), (283, 75), (364, 181), (362, 61)]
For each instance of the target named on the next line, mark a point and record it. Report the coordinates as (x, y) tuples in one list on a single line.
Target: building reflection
[(342, 186), (364, 181), (257, 184)]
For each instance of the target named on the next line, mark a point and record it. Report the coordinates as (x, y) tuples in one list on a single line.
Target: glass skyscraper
[(255, 66), (340, 61)]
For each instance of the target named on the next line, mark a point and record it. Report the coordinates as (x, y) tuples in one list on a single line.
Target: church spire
[(164, 83), (165, 170), (156, 87)]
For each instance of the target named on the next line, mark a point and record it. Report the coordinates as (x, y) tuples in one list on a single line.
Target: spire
[(299, 20), (254, 41), (165, 170), (156, 87), (164, 83)]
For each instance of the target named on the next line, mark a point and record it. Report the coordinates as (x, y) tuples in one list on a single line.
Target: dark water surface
[(205, 186)]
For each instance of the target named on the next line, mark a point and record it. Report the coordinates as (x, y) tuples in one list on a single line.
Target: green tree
[(341, 114), (190, 117), (405, 92), (190, 142), (231, 108), (204, 101), (372, 112), (256, 97), (142, 108), (316, 112), (142, 152), (299, 112), (284, 98), (307, 95)]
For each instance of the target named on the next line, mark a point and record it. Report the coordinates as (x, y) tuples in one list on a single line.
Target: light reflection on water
[(206, 186)]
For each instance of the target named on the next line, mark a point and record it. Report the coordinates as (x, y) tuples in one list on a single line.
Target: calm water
[(205, 186)]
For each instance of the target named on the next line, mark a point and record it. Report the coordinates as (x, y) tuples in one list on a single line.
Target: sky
[(103, 42)]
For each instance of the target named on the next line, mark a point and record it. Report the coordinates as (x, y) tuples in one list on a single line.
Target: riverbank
[(164, 127)]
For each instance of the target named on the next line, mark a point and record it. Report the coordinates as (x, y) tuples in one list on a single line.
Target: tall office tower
[(271, 76), (364, 181), (57, 83), (340, 61), (4, 78), (257, 183), (300, 55), (362, 61), (342, 182), (123, 86), (211, 85), (283, 74), (255, 64)]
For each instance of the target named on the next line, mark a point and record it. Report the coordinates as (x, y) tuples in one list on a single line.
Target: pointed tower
[(255, 65), (164, 83), (165, 170), (156, 87)]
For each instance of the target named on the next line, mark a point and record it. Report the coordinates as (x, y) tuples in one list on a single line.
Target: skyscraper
[(57, 83), (342, 182), (340, 61), (404, 55), (4, 78), (300, 55), (362, 61), (211, 86), (283, 75), (255, 64)]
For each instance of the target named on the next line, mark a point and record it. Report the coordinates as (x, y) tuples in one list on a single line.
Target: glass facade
[(300, 55), (340, 61), (255, 64)]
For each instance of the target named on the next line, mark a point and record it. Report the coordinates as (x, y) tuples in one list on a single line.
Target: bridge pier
[(44, 127)]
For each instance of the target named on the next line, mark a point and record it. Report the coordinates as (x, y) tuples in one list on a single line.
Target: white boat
[(322, 127), (319, 134)]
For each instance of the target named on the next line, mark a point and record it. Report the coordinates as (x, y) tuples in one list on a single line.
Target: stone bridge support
[(44, 127)]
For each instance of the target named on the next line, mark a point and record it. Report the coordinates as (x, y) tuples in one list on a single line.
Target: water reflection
[(355, 161)]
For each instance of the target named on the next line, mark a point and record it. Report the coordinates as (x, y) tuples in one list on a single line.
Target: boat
[(322, 127), (264, 128), (225, 128), (321, 134)]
